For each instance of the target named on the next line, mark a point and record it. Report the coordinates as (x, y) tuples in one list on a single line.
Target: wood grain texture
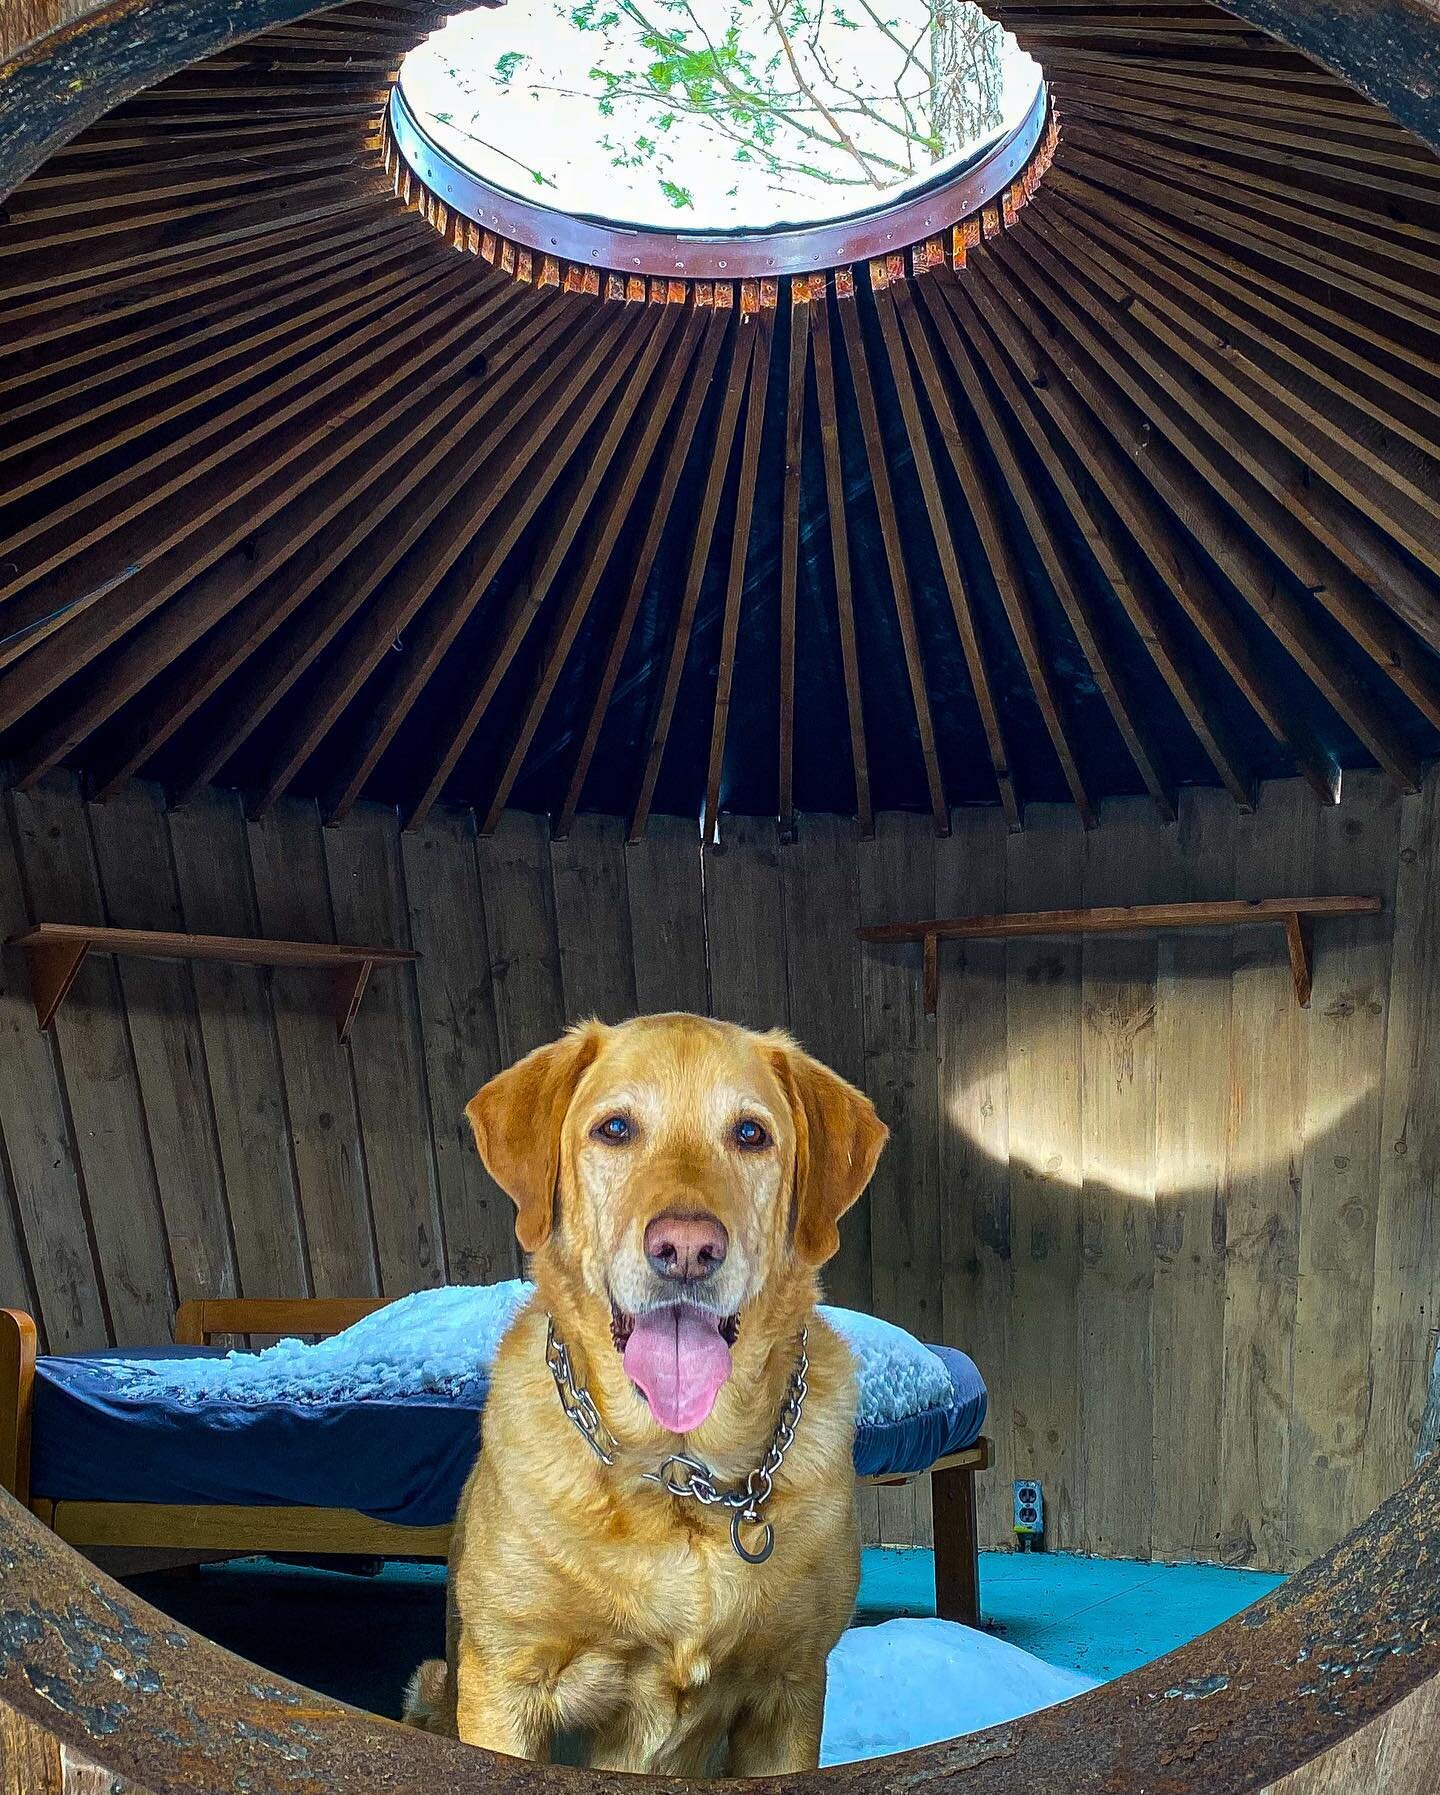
[(519, 893), (238, 1028), (1123, 859), (292, 902), (1136, 1222), (30, 1760), (745, 924), (367, 888), (1399, 1753), (592, 921), (972, 1066), (43, 1168), (1269, 1067), (102, 1090), (1185, 352), (819, 880), (1193, 1020), (667, 917), (455, 982), (132, 851), (1405, 1306), (1330, 1411), (1043, 1006), (897, 872)]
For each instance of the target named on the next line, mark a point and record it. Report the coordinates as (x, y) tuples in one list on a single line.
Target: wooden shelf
[(1294, 914), (57, 950)]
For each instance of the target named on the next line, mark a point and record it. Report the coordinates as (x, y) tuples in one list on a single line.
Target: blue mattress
[(399, 1461)]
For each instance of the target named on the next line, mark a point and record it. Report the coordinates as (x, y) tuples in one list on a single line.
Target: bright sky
[(717, 114)]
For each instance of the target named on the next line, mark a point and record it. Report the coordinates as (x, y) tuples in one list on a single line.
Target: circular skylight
[(718, 115)]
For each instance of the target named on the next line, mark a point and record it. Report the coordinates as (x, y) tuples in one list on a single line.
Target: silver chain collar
[(679, 1474)]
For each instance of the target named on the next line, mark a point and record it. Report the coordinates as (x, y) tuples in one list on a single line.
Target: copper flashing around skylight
[(868, 165), (998, 181)]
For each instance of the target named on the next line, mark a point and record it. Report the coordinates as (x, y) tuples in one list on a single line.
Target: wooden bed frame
[(227, 1529)]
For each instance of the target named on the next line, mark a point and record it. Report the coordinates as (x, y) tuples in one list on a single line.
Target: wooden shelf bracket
[(349, 988), (1295, 915), (55, 952), (1300, 939), (53, 966)]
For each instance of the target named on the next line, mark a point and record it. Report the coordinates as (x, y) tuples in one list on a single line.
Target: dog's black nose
[(687, 1248)]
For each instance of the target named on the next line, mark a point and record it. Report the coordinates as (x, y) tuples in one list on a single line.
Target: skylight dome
[(718, 116)]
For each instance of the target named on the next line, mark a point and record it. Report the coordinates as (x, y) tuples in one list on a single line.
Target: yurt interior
[(720, 896)]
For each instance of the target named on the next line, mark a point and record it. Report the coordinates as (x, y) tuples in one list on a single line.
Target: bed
[(107, 1467)]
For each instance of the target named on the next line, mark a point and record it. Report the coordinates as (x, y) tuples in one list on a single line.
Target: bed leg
[(957, 1546), (17, 1384)]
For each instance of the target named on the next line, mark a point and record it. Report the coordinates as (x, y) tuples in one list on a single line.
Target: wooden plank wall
[(1191, 1232)]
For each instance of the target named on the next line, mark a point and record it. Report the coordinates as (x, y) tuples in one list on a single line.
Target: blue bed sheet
[(399, 1461)]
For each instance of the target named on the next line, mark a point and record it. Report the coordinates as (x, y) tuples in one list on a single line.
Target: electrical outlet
[(1029, 1512)]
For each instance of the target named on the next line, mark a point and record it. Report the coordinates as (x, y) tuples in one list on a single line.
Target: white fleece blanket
[(441, 1343)]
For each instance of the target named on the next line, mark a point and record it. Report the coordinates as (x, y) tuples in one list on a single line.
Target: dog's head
[(682, 1172)]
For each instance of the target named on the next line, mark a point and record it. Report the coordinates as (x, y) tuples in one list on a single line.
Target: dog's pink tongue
[(679, 1359)]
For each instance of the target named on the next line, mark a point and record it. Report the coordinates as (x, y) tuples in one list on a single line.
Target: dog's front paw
[(426, 1698)]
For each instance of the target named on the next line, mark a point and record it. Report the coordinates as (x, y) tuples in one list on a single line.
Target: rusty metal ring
[(1352, 1639)]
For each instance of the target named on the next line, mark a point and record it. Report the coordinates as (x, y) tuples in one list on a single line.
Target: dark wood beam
[(747, 329), (644, 561), (884, 282), (466, 554), (532, 590), (894, 551), (595, 555), (836, 509), (804, 290), (756, 389)]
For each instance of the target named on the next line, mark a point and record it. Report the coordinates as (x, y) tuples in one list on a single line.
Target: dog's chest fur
[(616, 1604)]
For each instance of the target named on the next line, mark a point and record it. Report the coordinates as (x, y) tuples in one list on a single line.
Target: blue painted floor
[(1103, 1616), (359, 1638)]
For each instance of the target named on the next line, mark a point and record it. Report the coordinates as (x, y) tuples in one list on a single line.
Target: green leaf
[(507, 65), (679, 197)]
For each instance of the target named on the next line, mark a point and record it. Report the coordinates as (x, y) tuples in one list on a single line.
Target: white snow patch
[(916, 1682)]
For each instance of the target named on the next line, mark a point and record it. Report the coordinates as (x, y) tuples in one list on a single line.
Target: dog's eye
[(749, 1133), (614, 1130)]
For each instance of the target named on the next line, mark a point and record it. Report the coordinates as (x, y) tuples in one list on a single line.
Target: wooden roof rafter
[(1143, 513), (1197, 336), (453, 457), (257, 593), (1112, 558), (717, 333), (747, 330), (1272, 478), (805, 290), (884, 276), (465, 553), (863, 388), (605, 531), (1198, 508), (535, 588), (749, 469), (822, 352), (165, 604)]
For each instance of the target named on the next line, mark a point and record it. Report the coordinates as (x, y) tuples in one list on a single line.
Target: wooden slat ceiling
[(1128, 487)]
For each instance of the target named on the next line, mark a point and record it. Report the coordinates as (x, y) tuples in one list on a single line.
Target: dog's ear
[(517, 1119), (838, 1138)]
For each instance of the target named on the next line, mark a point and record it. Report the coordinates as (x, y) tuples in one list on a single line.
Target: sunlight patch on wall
[(1052, 1148)]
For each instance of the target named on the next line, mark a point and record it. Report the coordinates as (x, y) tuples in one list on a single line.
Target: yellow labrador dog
[(657, 1548)]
